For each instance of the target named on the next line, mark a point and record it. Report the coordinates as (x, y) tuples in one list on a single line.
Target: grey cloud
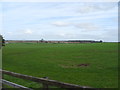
[(59, 23), (91, 7), (110, 35), (84, 26), (87, 26)]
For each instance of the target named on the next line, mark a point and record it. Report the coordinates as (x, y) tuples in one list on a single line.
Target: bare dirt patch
[(83, 65), (75, 66)]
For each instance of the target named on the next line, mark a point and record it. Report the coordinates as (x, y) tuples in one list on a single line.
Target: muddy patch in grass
[(83, 65), (75, 66)]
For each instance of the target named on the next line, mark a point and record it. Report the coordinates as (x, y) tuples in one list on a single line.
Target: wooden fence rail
[(15, 85), (45, 81)]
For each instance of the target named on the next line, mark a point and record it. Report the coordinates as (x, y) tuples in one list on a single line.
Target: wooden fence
[(44, 81)]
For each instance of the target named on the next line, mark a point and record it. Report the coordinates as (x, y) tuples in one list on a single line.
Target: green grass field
[(62, 62)]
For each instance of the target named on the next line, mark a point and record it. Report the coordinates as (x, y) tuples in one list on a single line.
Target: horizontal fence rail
[(45, 81), (14, 85)]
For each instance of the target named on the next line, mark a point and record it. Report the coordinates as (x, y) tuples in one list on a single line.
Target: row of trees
[(2, 41)]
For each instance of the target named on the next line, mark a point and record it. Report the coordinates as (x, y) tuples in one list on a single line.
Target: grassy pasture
[(62, 62)]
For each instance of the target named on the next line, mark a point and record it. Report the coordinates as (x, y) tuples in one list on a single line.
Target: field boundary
[(45, 81)]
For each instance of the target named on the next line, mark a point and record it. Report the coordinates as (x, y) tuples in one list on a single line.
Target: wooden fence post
[(45, 86)]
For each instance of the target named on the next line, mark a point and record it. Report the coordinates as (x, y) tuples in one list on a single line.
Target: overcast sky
[(59, 20)]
